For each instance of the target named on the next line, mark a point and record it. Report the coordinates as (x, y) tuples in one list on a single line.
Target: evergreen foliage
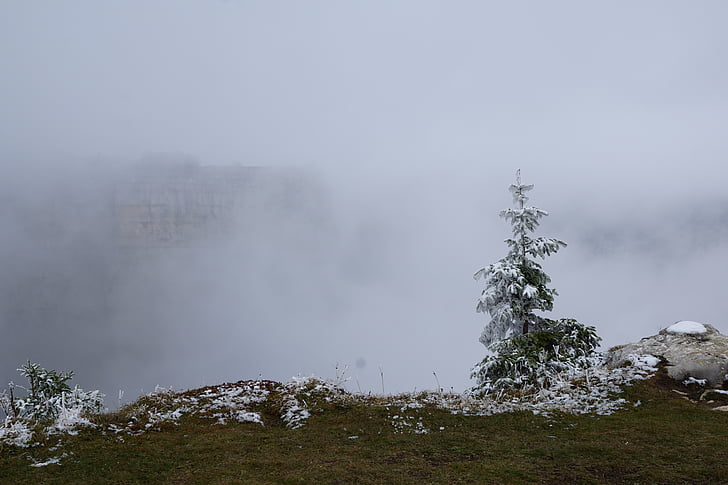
[(536, 358), (48, 396), (526, 349), (516, 286)]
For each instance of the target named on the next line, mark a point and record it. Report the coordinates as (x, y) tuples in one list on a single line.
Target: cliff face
[(171, 206), (101, 262)]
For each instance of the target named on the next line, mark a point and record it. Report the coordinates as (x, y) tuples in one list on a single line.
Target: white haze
[(406, 121)]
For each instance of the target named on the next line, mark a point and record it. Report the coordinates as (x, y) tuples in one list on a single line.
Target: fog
[(384, 136)]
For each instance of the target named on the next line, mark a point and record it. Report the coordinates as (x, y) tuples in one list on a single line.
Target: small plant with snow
[(315, 388), (302, 393), (49, 401), (67, 421), (15, 432), (48, 395), (293, 412)]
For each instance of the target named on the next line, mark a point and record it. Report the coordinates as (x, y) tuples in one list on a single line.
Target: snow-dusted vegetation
[(50, 406), (515, 286), (526, 349), (593, 390)]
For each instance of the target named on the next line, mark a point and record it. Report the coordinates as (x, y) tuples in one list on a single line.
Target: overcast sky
[(414, 116)]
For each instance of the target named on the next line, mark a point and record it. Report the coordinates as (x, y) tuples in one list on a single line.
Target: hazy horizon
[(405, 122)]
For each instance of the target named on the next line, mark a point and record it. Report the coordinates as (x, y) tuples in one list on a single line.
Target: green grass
[(666, 439)]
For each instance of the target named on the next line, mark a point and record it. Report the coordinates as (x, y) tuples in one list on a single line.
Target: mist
[(381, 139)]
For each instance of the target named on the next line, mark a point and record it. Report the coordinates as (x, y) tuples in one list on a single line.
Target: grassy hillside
[(665, 439)]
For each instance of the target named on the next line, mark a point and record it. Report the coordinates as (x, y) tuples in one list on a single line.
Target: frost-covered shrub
[(50, 403), (535, 358), (49, 395), (15, 432)]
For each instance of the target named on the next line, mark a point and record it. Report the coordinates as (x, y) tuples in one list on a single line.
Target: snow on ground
[(294, 414), (687, 327), (590, 391), (223, 404), (51, 461)]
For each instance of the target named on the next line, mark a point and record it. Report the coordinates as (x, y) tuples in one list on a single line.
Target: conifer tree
[(515, 286)]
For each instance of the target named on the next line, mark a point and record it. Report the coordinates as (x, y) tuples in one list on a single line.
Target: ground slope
[(665, 438)]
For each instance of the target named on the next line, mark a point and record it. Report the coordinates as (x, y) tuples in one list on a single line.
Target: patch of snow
[(161, 417), (50, 461), (293, 414), (687, 327), (420, 428), (412, 405), (693, 380), (719, 391), (248, 417), (408, 424), (299, 382), (647, 362)]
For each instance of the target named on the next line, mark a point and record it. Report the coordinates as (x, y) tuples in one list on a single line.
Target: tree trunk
[(12, 403)]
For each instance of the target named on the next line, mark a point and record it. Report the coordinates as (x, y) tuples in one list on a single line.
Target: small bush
[(48, 396), (535, 358)]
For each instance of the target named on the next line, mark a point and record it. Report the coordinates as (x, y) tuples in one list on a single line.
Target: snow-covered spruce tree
[(515, 286), (526, 349)]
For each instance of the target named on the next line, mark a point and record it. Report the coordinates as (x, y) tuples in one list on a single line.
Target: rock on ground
[(688, 352)]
